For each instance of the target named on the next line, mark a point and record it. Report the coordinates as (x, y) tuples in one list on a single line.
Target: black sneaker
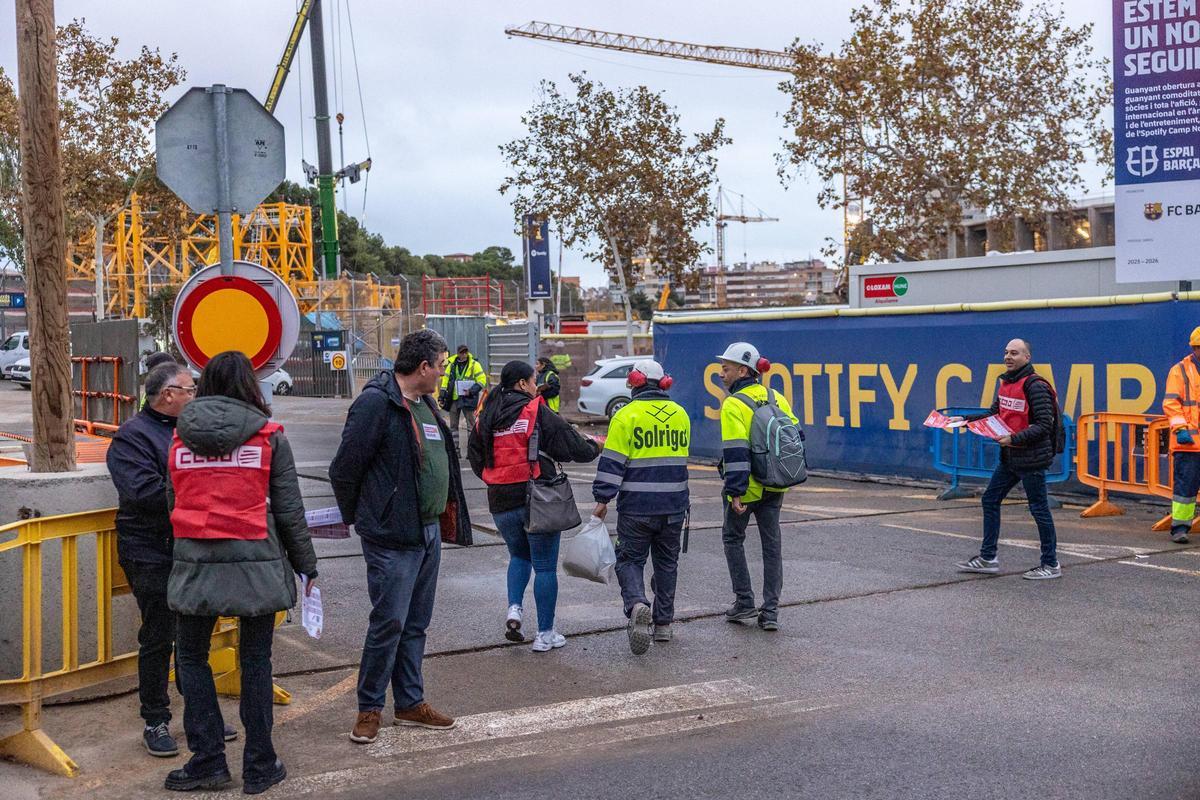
[(159, 742), (640, 624), (260, 786), (180, 780), (737, 614), (230, 733), (768, 624), (1179, 534)]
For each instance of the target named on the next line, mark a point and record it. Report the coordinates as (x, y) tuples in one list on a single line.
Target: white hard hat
[(651, 369), (742, 353)]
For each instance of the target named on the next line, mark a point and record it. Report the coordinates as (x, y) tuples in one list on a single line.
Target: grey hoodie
[(235, 577)]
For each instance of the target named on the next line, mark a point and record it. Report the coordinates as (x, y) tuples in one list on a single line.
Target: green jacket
[(234, 577)]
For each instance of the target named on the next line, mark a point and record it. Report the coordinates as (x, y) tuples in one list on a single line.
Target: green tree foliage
[(933, 107)]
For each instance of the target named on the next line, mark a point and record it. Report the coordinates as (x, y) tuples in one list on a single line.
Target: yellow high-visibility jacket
[(735, 442)]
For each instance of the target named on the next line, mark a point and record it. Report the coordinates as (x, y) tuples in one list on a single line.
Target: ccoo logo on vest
[(885, 288)]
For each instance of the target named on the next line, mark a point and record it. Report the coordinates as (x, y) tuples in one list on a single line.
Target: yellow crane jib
[(289, 53)]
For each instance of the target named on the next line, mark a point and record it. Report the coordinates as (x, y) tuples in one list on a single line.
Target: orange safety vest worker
[(510, 450), (222, 497), (1181, 404)]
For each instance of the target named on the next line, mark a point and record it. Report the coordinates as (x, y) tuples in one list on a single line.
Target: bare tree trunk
[(612, 242), (45, 239)]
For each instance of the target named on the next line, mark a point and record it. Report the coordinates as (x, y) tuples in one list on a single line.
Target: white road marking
[(1162, 567), (585, 733), (1096, 552)]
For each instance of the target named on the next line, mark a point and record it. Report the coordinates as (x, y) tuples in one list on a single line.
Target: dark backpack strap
[(751, 404)]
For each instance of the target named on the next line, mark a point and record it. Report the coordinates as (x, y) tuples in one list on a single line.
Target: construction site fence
[(88, 655), (962, 454), (1126, 454)]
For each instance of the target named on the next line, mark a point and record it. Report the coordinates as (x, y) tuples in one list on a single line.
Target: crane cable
[(362, 110)]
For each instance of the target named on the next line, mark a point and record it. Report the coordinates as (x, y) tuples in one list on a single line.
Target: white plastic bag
[(590, 553)]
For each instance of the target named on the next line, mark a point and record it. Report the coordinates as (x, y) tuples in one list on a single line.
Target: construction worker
[(644, 466), (744, 496), (548, 384), (462, 385), (1180, 405)]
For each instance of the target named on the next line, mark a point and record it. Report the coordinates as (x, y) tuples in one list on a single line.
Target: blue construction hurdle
[(962, 454)]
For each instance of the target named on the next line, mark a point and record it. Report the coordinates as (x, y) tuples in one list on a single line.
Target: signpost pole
[(224, 202)]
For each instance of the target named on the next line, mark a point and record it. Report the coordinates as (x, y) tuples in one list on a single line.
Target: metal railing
[(961, 454), (31, 745)]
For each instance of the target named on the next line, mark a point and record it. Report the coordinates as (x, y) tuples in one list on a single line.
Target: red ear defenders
[(762, 365), (638, 379)]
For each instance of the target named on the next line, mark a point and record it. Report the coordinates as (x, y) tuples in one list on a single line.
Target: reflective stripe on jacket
[(471, 371), (510, 450), (222, 497), (644, 462), (735, 442), (1180, 403)]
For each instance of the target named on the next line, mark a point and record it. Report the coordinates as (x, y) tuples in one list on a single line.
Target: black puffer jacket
[(374, 473), (1032, 448), (239, 577), (137, 462), (557, 440)]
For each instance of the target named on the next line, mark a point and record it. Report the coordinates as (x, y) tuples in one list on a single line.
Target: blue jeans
[(202, 721), (536, 552), (401, 585), (1002, 482)]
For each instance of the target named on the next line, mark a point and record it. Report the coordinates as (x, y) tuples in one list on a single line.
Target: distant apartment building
[(1088, 223), (764, 283), (460, 258)]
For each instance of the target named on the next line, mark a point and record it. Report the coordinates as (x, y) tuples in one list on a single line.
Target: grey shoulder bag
[(549, 502)]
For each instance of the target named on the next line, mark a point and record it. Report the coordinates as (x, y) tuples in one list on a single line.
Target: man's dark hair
[(155, 359), (417, 348), (162, 376), (230, 374)]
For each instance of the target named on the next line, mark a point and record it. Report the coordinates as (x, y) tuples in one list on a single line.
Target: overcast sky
[(443, 87)]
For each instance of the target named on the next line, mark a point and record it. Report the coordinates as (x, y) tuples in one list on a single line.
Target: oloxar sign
[(884, 288), (1156, 60)]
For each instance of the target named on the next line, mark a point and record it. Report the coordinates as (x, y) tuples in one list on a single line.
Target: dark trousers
[(1002, 482), (401, 585), (1186, 472), (656, 537), (202, 721), (156, 637), (733, 535)]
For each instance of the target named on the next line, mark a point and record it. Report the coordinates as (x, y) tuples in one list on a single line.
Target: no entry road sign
[(251, 311)]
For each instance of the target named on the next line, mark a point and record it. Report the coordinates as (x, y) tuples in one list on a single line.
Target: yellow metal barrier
[(31, 745)]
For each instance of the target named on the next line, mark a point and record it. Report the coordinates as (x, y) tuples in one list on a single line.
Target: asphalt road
[(893, 676)]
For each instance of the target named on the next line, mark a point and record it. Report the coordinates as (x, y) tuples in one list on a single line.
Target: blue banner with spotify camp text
[(862, 385)]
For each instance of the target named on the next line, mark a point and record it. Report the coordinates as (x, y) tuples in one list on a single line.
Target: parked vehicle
[(281, 382), (18, 373), (15, 348), (602, 392)]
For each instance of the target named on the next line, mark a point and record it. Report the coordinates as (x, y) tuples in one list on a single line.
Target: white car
[(280, 381), (18, 373), (15, 348), (602, 392)]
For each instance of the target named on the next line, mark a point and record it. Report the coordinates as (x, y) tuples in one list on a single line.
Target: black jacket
[(137, 463), (557, 441), (241, 577), (374, 473), (1032, 448), (554, 386)]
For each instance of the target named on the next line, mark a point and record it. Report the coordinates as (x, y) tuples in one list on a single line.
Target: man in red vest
[(1027, 404)]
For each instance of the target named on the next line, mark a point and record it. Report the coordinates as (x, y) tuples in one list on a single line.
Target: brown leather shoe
[(366, 728), (422, 715)]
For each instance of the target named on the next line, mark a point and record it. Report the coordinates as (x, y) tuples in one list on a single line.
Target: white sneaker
[(512, 625), (547, 640)]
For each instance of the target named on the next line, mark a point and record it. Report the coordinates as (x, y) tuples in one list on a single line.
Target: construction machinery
[(724, 219), (744, 57)]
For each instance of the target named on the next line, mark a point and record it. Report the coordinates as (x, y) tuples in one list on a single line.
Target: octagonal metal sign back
[(186, 140)]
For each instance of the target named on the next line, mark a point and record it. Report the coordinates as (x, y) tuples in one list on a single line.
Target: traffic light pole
[(325, 178)]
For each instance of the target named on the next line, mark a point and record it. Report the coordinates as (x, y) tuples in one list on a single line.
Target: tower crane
[(745, 57), (724, 219)]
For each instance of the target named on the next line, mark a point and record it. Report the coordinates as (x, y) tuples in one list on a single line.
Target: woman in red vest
[(240, 541), (499, 454)]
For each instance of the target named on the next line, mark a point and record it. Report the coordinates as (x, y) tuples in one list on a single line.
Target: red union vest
[(222, 497), (510, 449), (1014, 406)]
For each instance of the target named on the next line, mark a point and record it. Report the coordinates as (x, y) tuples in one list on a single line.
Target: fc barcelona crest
[(1152, 211)]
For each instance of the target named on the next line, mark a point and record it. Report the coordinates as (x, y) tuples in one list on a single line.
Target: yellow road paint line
[(310, 704)]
